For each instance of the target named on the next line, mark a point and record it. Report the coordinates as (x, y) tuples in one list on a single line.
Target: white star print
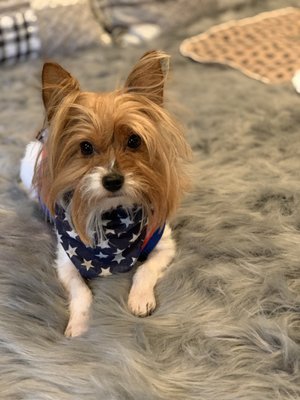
[(127, 221), (134, 259), (105, 272), (104, 244), (71, 251), (133, 239), (101, 255), (72, 234), (59, 237), (117, 252), (87, 264), (112, 231), (118, 258), (104, 222)]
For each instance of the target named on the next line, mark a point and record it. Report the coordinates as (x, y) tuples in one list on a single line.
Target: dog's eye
[(86, 148), (134, 141)]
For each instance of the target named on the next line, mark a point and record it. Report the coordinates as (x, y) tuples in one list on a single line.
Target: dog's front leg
[(141, 301), (80, 296)]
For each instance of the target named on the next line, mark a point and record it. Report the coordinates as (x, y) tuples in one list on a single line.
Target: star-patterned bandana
[(123, 242)]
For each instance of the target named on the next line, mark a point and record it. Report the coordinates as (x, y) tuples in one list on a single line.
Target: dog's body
[(109, 173)]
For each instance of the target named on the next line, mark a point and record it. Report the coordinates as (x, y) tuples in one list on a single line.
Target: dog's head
[(109, 149)]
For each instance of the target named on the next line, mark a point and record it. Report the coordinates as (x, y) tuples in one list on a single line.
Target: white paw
[(141, 303), (77, 326), (296, 81)]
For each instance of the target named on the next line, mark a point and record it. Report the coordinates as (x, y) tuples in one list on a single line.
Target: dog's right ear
[(56, 84)]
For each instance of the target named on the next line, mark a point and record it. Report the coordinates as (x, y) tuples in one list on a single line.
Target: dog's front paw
[(141, 303), (77, 326)]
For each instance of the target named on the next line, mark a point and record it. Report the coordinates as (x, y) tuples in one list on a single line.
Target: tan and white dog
[(110, 171)]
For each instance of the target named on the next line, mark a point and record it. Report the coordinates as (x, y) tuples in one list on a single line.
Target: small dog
[(109, 171)]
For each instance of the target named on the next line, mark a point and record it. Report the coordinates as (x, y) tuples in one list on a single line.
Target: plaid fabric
[(19, 38)]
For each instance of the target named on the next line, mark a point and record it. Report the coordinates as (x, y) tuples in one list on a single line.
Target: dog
[(109, 170)]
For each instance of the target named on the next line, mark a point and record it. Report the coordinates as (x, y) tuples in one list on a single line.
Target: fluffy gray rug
[(227, 324)]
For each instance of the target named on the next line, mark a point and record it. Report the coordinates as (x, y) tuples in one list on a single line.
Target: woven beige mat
[(265, 47)]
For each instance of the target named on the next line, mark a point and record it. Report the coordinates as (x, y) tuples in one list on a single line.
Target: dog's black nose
[(113, 181)]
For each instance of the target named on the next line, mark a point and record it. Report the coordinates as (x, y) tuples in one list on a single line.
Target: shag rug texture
[(227, 325)]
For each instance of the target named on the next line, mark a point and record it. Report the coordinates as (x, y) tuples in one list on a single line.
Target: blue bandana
[(123, 242)]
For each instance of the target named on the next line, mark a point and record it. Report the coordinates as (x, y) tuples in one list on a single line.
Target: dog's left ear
[(149, 75), (57, 83)]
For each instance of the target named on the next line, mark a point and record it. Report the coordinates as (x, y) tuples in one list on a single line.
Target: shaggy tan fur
[(107, 120)]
